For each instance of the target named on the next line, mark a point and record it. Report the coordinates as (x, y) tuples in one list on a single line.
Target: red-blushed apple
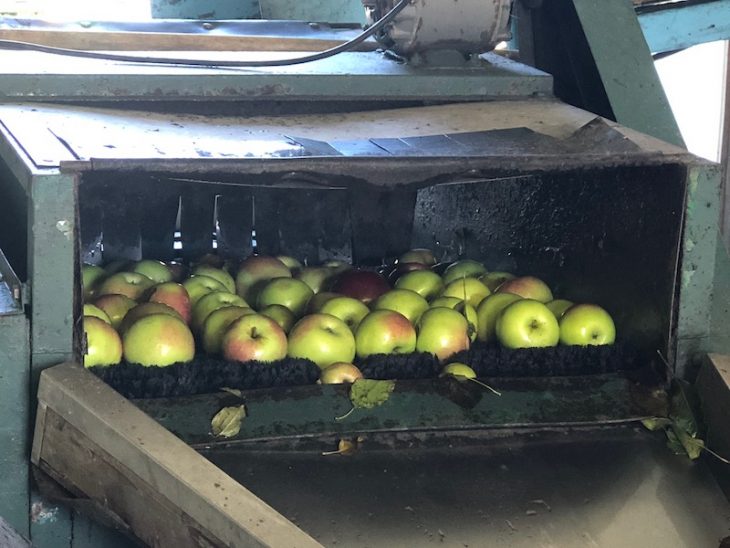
[(363, 285), (587, 324), (442, 332), (404, 301), (217, 274), (131, 284), (488, 312), (95, 311), (426, 283), (470, 290), (289, 292), (254, 338), (178, 270), (401, 269), (465, 268), (145, 309), (281, 315), (349, 310), (116, 307), (316, 277), (91, 276), (559, 306), (216, 324), (458, 370), (213, 301), (255, 271), (294, 265), (340, 373), (156, 271), (385, 332), (173, 295), (494, 279), (323, 339), (528, 287), (158, 340), (199, 286), (527, 323), (419, 255), (103, 345)]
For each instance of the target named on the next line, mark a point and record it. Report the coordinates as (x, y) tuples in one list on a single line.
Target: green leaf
[(368, 393), (691, 445), (227, 422), (656, 423)]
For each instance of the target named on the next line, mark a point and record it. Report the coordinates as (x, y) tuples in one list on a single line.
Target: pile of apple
[(268, 308)]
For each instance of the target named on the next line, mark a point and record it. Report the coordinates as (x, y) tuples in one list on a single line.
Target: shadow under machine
[(417, 140)]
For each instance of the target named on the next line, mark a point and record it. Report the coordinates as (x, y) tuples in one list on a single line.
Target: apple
[(156, 271), (385, 332), (289, 292), (363, 285), (96, 312), (316, 277), (158, 340), (527, 323), (178, 270), (402, 269), (213, 301), (349, 310), (488, 312), (216, 325), (199, 286), (426, 283), (470, 290), (465, 268), (217, 274), (527, 287), (587, 324), (447, 302), (131, 284), (458, 370), (494, 279), (337, 265), (91, 275), (470, 313), (558, 307), (255, 271), (281, 315), (116, 307), (442, 332), (317, 302), (407, 302), (420, 255), (117, 265), (340, 373), (145, 309), (173, 295), (323, 339), (254, 337), (103, 345), (294, 265), (212, 259)]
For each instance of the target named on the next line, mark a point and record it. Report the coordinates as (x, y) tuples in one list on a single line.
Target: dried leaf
[(656, 423), (234, 391), (691, 445), (368, 393), (227, 422)]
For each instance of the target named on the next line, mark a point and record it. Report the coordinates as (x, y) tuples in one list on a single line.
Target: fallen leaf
[(227, 422)]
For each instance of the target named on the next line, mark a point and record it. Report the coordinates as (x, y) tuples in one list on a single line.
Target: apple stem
[(329, 453), (485, 385), (343, 417), (711, 452)]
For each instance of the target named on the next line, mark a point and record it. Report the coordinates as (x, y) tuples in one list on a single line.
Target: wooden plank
[(212, 500)]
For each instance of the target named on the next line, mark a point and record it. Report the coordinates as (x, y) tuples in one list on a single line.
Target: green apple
[(463, 269), (419, 255), (316, 277), (323, 339), (145, 309), (158, 340), (587, 324), (407, 302), (156, 271), (217, 274), (255, 271), (289, 292), (349, 310), (199, 286), (131, 284), (103, 345), (527, 323), (116, 307), (446, 302), (458, 370), (527, 287), (254, 338), (281, 315), (488, 312), (442, 332), (173, 295), (494, 279), (213, 301), (317, 302), (340, 373), (558, 307), (95, 311), (470, 290), (337, 265), (294, 265), (470, 313), (91, 276), (385, 332), (426, 283), (216, 325)]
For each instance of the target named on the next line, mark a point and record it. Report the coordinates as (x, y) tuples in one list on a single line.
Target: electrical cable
[(345, 46)]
